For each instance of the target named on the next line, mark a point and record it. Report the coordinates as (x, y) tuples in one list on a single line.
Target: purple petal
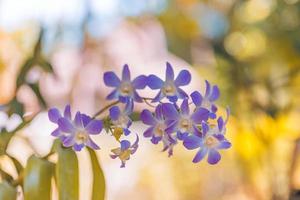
[(113, 95), (155, 140), (200, 155), (126, 131), (181, 136), (214, 108), (113, 156), (172, 98), (114, 113), (169, 111), (197, 98), (169, 73), (154, 82), (205, 128), (94, 127), (147, 118), (159, 112), (224, 145), (192, 142), (111, 79), (69, 141), (185, 107), (140, 82), (65, 125), (129, 107), (181, 93), (183, 78), (78, 120), (207, 90), (220, 123), (201, 114), (90, 143), (149, 132), (125, 144), (85, 119), (67, 112), (78, 147), (54, 115), (172, 127), (214, 94), (56, 132), (136, 142), (219, 137), (126, 73), (213, 157)]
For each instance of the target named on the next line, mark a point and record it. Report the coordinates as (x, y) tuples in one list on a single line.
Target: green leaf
[(67, 173), (98, 177), (37, 179), (4, 140), (7, 192)]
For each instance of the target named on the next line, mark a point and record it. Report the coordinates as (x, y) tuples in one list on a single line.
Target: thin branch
[(104, 109)]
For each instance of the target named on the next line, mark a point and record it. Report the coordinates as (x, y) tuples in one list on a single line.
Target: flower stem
[(104, 109)]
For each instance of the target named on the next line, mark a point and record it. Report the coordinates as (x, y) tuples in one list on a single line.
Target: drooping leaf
[(37, 179), (7, 192), (67, 173), (98, 177)]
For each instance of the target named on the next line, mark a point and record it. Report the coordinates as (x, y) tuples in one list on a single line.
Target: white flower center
[(122, 121), (185, 125), (211, 141)]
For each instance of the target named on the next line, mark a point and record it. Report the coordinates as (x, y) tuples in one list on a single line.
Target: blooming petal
[(54, 115), (159, 112), (90, 143), (78, 147), (181, 93), (126, 131), (140, 82), (169, 111), (154, 82), (56, 132), (125, 144), (192, 142), (94, 127), (220, 123), (147, 118), (172, 127), (85, 119), (224, 145), (205, 128), (111, 79), (129, 107), (78, 120), (155, 140), (113, 95), (182, 136), (185, 107), (114, 113), (69, 141), (149, 132), (207, 90), (200, 155), (214, 94), (183, 78), (197, 98), (172, 98), (67, 112), (65, 125), (126, 73), (213, 157), (201, 114), (169, 73)]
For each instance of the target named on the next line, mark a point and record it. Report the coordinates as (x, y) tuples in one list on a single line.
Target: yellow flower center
[(81, 137), (211, 141), (169, 90), (126, 89), (185, 125), (159, 130)]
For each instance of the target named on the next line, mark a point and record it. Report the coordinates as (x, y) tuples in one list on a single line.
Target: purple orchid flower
[(125, 88), (207, 101), (170, 88), (54, 115), (120, 118), (210, 142), (183, 122), (75, 132), (124, 152), (157, 129)]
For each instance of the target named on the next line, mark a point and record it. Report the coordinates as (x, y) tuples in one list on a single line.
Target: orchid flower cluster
[(177, 117)]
